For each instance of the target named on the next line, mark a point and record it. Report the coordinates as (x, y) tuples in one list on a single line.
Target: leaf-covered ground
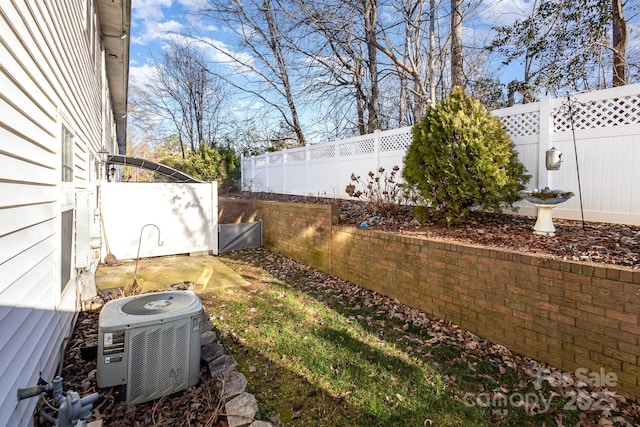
[(597, 242), (467, 371), (320, 351), (471, 380)]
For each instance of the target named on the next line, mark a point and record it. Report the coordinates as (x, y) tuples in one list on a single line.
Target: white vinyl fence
[(606, 125)]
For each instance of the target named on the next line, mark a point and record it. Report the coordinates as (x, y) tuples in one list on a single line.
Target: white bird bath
[(544, 224), (545, 204)]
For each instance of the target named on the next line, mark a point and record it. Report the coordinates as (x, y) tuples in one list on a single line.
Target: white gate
[(158, 219)]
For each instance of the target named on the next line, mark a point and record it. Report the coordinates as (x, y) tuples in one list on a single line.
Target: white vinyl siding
[(51, 105)]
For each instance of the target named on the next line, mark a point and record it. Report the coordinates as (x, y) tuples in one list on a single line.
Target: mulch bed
[(602, 243), (195, 406)]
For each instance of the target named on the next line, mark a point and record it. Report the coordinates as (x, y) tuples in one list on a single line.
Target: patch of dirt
[(602, 243)]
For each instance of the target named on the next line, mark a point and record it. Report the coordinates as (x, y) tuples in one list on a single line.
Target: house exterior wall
[(52, 91), (571, 315)]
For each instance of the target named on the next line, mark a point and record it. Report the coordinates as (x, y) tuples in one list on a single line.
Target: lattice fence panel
[(522, 124), (261, 162), (399, 142), (598, 114), (356, 148), (322, 153)]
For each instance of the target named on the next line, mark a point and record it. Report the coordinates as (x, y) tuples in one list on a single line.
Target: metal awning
[(138, 162)]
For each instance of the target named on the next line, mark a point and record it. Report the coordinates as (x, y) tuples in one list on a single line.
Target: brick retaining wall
[(298, 230), (571, 315)]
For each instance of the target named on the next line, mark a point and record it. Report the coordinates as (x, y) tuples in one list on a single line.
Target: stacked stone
[(241, 407)]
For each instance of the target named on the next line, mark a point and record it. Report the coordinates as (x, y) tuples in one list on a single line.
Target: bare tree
[(427, 53), (393, 87), (184, 94), (619, 46), (342, 57), (263, 35), (384, 63), (370, 15), (431, 52), (416, 76)]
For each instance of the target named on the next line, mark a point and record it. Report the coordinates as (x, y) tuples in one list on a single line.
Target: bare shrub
[(380, 190)]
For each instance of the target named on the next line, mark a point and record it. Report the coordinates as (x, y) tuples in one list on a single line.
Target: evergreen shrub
[(461, 159)]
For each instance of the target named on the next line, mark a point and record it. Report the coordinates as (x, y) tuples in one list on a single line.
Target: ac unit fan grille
[(153, 304)]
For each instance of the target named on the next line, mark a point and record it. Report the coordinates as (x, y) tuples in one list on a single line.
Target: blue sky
[(153, 21)]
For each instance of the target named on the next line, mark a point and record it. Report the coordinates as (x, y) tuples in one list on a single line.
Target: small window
[(67, 155), (66, 243)]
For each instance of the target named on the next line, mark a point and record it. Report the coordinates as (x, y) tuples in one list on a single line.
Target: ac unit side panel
[(175, 368), (169, 360), (113, 357), (144, 362)]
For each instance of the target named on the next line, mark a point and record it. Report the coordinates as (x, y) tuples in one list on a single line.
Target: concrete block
[(233, 384), (208, 337)]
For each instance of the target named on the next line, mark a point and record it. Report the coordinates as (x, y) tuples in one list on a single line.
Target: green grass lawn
[(320, 351)]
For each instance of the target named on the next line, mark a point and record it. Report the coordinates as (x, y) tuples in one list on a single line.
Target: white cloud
[(192, 5), (505, 12), (155, 30), (151, 23), (142, 73), (149, 9)]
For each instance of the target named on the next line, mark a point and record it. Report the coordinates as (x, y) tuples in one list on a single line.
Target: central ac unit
[(150, 343)]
